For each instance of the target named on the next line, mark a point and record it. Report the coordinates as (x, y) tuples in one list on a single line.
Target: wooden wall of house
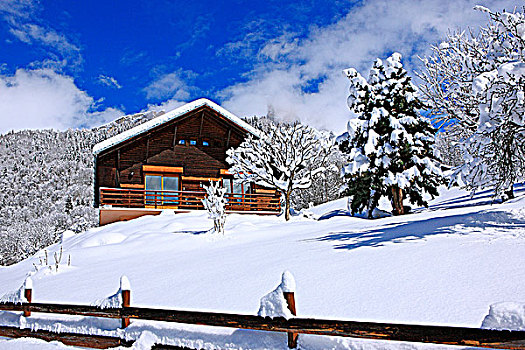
[(122, 164)]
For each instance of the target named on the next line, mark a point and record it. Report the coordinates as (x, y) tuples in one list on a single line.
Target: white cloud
[(24, 24), (29, 33), (370, 30), (165, 106), (43, 98), (109, 81), (172, 85), (18, 8)]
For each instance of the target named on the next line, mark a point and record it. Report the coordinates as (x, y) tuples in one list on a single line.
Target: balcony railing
[(137, 198)]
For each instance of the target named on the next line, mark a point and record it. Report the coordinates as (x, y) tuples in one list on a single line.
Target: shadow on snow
[(415, 230)]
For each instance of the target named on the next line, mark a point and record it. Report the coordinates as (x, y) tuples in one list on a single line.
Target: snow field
[(445, 265)]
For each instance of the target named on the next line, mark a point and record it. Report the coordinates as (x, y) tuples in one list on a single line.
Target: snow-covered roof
[(166, 117)]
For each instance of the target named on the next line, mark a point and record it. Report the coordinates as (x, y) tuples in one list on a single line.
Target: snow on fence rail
[(484, 338)]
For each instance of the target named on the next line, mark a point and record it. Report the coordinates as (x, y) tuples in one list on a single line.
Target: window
[(182, 142), (193, 142), (237, 190), (153, 184), (205, 143), (157, 183), (227, 183)]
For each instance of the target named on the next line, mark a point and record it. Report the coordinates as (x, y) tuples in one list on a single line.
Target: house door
[(159, 190)]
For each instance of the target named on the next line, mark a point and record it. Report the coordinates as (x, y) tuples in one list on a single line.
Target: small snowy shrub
[(215, 204), (45, 263)]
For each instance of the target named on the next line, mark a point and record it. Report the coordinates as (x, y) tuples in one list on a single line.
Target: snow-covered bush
[(390, 145), (475, 83), (494, 155), (286, 157), (215, 204), (326, 187), (448, 149)]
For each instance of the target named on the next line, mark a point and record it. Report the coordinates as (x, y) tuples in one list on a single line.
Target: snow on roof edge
[(166, 117)]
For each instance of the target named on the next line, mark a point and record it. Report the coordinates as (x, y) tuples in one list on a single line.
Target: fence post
[(28, 294), (288, 285), (125, 289)]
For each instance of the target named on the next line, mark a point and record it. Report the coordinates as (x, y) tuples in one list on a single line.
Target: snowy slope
[(443, 265)]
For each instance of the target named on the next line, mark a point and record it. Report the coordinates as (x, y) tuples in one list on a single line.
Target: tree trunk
[(509, 194), (287, 205), (397, 200), (370, 207)]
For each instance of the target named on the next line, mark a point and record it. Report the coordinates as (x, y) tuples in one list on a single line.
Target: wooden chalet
[(164, 163)]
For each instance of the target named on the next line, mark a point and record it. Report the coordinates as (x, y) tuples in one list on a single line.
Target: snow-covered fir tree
[(475, 82), (390, 145), (286, 157), (215, 204)]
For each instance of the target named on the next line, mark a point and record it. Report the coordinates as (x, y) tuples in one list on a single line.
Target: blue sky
[(79, 63)]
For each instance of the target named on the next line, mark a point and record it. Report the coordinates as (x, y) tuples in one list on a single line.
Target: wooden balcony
[(185, 200)]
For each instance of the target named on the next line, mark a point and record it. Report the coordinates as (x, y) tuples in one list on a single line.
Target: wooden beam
[(117, 177), (228, 140), (200, 129), (136, 186), (410, 333), (162, 169), (196, 178), (63, 309), (118, 159), (174, 136), (476, 337), (147, 149), (74, 339)]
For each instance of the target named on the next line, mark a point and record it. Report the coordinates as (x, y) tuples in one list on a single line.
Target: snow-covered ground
[(445, 265)]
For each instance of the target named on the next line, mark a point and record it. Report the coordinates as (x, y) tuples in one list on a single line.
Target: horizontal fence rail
[(138, 198), (498, 339), (73, 339)]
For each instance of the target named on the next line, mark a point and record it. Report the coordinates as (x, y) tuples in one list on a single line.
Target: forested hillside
[(46, 184)]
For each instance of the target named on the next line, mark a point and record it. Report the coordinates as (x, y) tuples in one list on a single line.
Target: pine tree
[(390, 145)]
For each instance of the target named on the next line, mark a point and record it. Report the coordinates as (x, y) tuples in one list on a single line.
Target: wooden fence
[(134, 198), (484, 338)]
